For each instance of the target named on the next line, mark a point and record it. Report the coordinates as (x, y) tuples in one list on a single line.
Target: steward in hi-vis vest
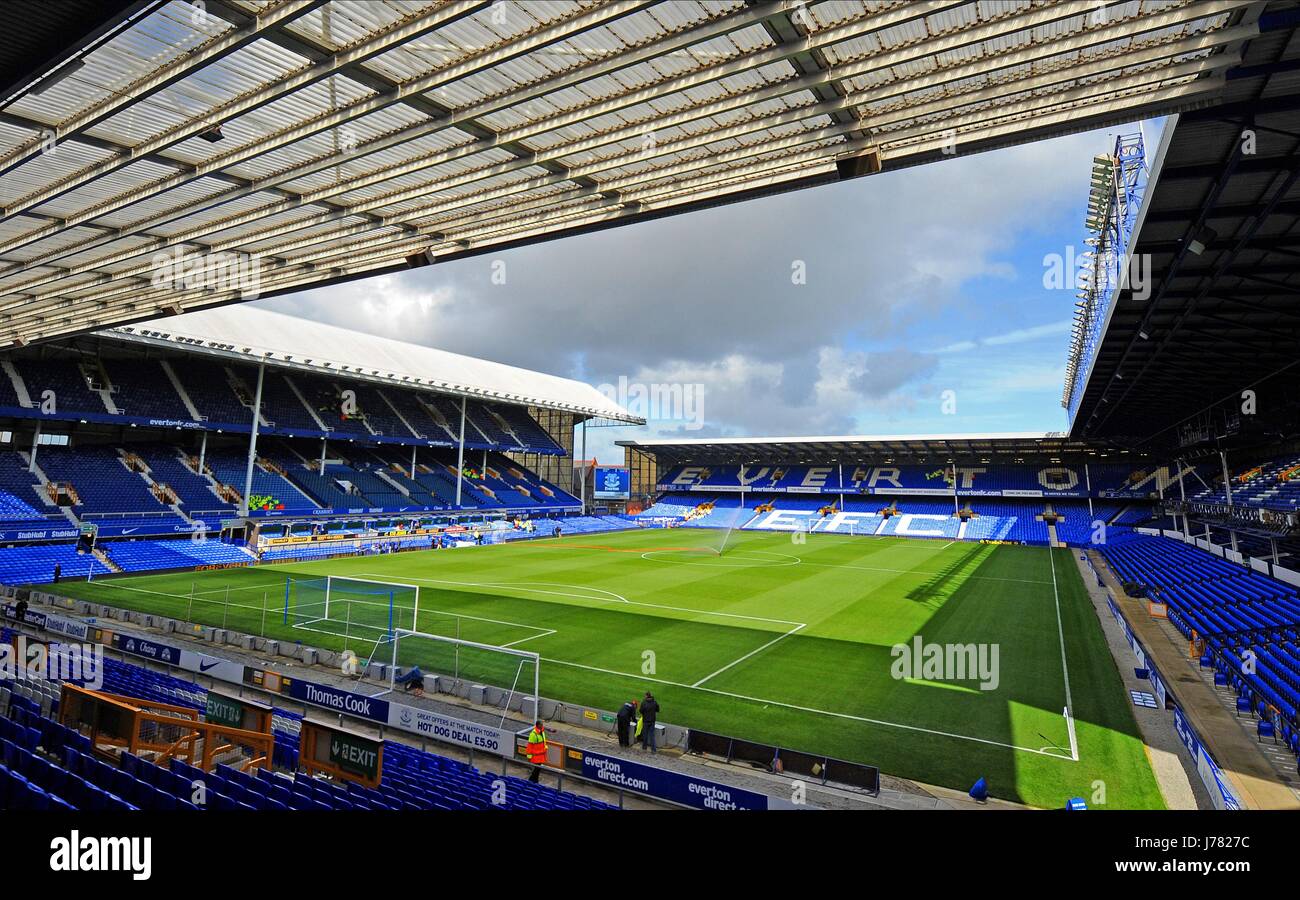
[(536, 749)]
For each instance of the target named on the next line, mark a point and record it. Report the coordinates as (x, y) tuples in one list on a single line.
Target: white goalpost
[(401, 597), (362, 602), (515, 672)]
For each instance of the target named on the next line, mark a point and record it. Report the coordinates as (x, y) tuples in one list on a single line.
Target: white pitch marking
[(779, 637), (810, 709), (701, 612), (1065, 666)]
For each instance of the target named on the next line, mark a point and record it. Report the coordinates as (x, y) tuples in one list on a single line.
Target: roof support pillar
[(36, 442), (582, 486), (413, 449), (1227, 481), (252, 438), (1182, 495), (1087, 483), (460, 450), (203, 453)]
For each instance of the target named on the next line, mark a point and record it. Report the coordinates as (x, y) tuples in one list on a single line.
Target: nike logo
[(129, 530), (205, 666)]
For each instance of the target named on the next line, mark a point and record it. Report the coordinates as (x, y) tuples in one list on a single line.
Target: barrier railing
[(159, 731)]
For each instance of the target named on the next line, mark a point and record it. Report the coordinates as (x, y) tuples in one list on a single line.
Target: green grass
[(774, 641)]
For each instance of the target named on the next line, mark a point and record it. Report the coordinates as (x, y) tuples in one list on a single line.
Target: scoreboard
[(611, 483)]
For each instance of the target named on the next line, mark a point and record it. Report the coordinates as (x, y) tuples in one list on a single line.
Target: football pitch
[(780, 639)]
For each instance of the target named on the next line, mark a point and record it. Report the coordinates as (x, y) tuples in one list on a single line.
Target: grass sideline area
[(781, 639)]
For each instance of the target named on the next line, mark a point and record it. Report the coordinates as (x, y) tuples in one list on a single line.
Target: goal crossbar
[(319, 599), (468, 660)]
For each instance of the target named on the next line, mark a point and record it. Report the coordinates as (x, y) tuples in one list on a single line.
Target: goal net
[(358, 604), (515, 673)]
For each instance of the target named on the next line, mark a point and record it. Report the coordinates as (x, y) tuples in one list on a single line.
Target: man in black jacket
[(649, 712), (626, 715)]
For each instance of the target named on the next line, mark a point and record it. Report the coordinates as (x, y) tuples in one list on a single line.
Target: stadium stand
[(1234, 610), (18, 492)]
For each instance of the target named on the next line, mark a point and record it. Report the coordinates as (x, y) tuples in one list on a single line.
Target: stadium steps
[(293, 388), (437, 418), (181, 392), (104, 388), (1052, 539), (106, 561), (1276, 752), (382, 475), (20, 386), (39, 488), (1119, 514), (244, 396), (397, 412), (147, 475)]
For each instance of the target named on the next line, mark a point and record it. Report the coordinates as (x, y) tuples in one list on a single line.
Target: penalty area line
[(754, 652)]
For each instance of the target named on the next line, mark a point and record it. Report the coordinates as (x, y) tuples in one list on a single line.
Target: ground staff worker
[(536, 750), (626, 713), (646, 727)]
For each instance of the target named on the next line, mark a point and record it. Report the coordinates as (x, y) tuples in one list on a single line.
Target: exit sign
[(224, 711), (354, 754)]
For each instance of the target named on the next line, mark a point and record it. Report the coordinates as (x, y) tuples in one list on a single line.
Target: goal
[(515, 673), (384, 606)]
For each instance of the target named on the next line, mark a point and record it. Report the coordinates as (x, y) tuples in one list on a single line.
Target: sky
[(908, 302)]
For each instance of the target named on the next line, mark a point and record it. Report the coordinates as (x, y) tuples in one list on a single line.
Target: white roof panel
[(254, 333)]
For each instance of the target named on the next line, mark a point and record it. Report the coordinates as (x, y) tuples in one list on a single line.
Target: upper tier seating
[(64, 379), (1274, 484), (208, 387), (142, 388)]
